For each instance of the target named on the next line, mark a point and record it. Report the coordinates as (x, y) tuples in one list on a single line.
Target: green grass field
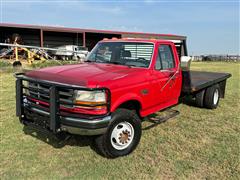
[(197, 144)]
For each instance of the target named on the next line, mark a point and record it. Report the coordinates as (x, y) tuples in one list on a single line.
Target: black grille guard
[(54, 102)]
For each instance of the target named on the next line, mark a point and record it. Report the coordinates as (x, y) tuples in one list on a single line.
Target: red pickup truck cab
[(121, 82)]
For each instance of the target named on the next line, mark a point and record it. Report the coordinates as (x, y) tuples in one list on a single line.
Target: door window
[(165, 58), (158, 65)]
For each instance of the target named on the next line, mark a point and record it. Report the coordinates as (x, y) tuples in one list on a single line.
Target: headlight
[(91, 97)]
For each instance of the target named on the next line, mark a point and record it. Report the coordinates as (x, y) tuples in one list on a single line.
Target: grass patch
[(197, 144), (5, 66), (4, 63)]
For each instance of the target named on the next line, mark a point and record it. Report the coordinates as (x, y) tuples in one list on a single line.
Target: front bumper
[(81, 126), (51, 118)]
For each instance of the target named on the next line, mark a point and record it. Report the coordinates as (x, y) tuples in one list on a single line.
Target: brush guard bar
[(53, 112)]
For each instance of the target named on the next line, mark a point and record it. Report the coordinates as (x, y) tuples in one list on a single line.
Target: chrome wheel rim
[(122, 135), (215, 97)]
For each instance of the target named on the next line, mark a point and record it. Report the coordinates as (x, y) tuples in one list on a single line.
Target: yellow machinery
[(16, 39), (14, 47), (30, 55)]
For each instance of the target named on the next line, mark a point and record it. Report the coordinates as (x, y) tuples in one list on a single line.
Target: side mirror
[(185, 63)]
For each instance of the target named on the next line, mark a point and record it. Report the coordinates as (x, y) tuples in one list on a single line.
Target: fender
[(125, 98)]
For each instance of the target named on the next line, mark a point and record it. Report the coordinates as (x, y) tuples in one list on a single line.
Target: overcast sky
[(212, 26)]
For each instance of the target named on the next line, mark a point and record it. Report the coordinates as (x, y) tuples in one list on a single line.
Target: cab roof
[(138, 40)]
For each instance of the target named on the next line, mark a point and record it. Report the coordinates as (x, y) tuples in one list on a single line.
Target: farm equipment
[(18, 53), (14, 50), (4, 52), (30, 55)]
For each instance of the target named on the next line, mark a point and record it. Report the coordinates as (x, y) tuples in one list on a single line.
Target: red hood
[(87, 74)]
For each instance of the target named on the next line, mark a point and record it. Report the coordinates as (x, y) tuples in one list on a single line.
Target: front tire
[(122, 136)]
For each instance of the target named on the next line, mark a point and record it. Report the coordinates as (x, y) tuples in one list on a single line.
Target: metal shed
[(50, 36)]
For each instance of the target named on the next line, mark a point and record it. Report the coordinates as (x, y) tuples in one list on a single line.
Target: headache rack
[(46, 97)]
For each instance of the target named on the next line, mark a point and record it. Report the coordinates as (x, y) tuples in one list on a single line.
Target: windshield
[(123, 53)]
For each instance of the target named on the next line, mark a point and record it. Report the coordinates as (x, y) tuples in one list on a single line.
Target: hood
[(87, 74)]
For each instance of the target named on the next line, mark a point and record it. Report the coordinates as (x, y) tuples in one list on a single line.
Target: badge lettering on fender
[(144, 92)]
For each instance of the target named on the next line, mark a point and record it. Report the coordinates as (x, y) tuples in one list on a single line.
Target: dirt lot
[(198, 143)]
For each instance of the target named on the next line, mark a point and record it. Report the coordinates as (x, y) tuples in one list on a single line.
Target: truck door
[(167, 74)]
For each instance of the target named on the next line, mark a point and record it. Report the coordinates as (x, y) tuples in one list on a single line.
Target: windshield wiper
[(118, 63), (114, 62), (88, 61)]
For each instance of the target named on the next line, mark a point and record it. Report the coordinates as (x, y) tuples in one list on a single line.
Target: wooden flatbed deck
[(194, 81)]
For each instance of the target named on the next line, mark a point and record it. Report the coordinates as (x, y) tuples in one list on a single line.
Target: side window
[(158, 65), (166, 57)]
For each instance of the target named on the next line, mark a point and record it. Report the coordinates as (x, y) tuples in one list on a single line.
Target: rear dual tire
[(208, 98), (122, 136), (200, 98), (212, 97)]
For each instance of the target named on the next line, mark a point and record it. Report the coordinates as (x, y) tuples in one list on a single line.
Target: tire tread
[(208, 99)]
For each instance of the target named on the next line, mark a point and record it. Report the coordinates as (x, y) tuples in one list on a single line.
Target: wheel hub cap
[(122, 135), (215, 97)]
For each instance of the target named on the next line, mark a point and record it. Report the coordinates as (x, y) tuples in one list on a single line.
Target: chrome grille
[(41, 92)]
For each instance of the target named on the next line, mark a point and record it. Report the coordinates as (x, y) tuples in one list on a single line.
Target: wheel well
[(131, 105)]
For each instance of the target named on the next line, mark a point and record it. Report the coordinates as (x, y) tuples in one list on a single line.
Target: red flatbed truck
[(121, 82)]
